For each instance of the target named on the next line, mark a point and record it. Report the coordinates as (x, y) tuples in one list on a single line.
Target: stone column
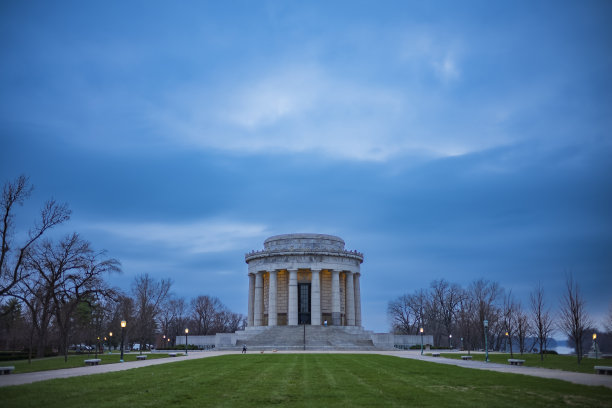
[(357, 300), (315, 298), (350, 300), (292, 309), (258, 306), (251, 299), (335, 297), (272, 300)]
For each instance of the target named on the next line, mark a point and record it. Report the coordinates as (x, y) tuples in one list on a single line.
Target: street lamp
[(486, 328), (186, 333), (110, 341), (421, 331), (97, 346), (450, 341), (506, 348), (104, 339), (595, 344), (123, 324)]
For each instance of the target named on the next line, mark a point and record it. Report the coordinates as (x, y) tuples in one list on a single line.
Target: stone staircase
[(307, 338)]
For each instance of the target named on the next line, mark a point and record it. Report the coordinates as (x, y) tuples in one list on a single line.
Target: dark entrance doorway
[(304, 303)]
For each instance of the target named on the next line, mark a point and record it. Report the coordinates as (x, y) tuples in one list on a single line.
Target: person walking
[(244, 349)]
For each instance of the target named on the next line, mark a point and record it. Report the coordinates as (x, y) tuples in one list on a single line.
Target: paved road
[(578, 378)]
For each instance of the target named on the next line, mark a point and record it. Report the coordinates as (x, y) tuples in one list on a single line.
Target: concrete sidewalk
[(577, 378), (27, 378)]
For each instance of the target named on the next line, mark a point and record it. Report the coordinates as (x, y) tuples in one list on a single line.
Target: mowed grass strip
[(304, 380), (557, 362), (78, 360)]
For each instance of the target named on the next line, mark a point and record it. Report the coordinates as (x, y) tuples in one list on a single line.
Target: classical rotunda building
[(304, 294), (304, 279)]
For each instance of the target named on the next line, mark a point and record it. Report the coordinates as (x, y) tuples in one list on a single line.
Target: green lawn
[(566, 363), (313, 380), (74, 360)]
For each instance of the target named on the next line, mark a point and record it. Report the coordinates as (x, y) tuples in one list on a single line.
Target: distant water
[(564, 350)]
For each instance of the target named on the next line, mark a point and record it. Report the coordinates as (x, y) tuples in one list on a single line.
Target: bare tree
[(122, 308), (37, 297), (60, 277), (541, 320), (149, 296), (485, 295), (523, 328), (508, 319), (466, 320), (574, 320), (608, 321), (205, 313), (407, 312), (401, 316), (447, 296), (11, 259)]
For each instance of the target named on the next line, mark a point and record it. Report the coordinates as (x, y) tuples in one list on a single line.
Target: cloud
[(301, 108), (198, 237), (447, 68)]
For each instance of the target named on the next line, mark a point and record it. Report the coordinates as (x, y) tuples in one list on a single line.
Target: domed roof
[(304, 242)]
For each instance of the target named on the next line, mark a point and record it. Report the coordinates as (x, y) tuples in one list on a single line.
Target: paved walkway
[(577, 378), (27, 378)]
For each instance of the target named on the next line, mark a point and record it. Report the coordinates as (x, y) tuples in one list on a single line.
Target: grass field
[(304, 380), (54, 363), (558, 362)]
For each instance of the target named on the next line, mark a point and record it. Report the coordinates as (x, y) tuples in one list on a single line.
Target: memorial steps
[(305, 338)]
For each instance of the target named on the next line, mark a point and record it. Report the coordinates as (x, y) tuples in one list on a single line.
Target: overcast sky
[(453, 140)]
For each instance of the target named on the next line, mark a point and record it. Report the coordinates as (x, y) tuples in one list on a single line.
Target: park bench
[(466, 357), (171, 354), (603, 370), (141, 357), (514, 361), (6, 370), (93, 361), (435, 354)]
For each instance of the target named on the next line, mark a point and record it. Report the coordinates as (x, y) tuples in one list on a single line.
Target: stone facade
[(304, 279)]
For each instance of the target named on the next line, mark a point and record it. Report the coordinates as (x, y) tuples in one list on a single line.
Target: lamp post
[(110, 342), (506, 347), (421, 331), (486, 329), (450, 341), (186, 333), (97, 346), (595, 344), (123, 324), (104, 340), (462, 343), (163, 344)]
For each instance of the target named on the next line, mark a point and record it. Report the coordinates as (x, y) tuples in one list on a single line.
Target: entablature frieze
[(253, 255)]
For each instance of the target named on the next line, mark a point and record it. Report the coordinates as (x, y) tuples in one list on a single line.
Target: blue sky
[(452, 140)]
